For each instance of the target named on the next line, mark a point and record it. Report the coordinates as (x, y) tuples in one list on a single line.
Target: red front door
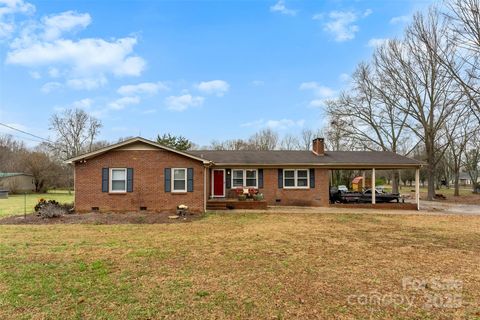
[(218, 186)]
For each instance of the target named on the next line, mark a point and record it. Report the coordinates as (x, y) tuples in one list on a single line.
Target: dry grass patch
[(238, 266)]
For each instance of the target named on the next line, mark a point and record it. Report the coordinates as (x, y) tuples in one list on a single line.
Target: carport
[(372, 168)]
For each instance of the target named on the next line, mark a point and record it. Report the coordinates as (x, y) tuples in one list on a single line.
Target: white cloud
[(6, 29), (341, 24), (318, 89), (121, 103), (281, 8), (87, 83), (317, 103), (84, 63), (367, 12), (400, 19), (284, 123), (8, 8), (376, 42), (50, 86), (55, 25), (256, 123), (183, 102), (281, 124), (83, 103), (15, 6), (131, 66), (150, 88), (85, 56), (344, 77), (322, 93), (54, 72), (218, 87)]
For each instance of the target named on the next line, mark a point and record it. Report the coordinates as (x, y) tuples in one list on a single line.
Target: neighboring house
[(17, 182), (464, 179), (139, 174)]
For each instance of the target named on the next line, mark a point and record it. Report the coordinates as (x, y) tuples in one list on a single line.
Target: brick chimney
[(318, 146)]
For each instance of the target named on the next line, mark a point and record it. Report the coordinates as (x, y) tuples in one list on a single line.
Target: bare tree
[(458, 131), (265, 139), (372, 113), (335, 137), (472, 159), (233, 144), (10, 150), (76, 132), (44, 170), (431, 95), (306, 138), (290, 142), (463, 18)]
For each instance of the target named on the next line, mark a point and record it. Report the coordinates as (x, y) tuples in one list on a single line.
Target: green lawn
[(245, 266), (447, 192), (15, 203)]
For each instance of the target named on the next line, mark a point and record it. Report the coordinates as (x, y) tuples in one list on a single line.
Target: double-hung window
[(118, 180), (179, 181), (296, 178), (251, 178), (237, 178), (244, 178)]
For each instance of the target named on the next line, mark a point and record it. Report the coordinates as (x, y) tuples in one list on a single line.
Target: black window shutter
[(129, 179), (260, 178), (312, 178), (190, 180), (280, 178), (168, 179), (105, 179), (228, 178)]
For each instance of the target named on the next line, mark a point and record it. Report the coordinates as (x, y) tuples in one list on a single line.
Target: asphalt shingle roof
[(12, 174), (347, 158)]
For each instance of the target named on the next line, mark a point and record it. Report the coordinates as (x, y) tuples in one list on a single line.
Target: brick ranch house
[(139, 174)]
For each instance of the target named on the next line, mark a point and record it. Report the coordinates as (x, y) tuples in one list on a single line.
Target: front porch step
[(216, 206), (234, 204)]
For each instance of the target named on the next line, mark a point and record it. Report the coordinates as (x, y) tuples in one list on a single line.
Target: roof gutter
[(325, 165), (95, 153)]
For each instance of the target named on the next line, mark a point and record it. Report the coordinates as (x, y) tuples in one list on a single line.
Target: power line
[(25, 132), (22, 137)]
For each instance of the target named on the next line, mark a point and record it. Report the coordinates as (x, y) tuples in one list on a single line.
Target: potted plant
[(242, 197), (258, 197)]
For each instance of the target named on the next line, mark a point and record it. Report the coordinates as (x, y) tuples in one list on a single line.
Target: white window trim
[(110, 180), (173, 180), (245, 178), (295, 178)]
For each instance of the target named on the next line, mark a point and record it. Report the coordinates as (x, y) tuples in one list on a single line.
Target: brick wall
[(318, 196), (148, 182)]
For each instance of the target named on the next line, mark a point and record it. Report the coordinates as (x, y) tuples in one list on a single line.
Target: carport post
[(373, 186), (417, 187), (363, 180)]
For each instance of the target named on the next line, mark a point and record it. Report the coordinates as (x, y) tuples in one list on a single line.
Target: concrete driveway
[(450, 208)]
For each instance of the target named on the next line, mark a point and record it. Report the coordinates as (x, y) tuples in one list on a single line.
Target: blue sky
[(203, 69)]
